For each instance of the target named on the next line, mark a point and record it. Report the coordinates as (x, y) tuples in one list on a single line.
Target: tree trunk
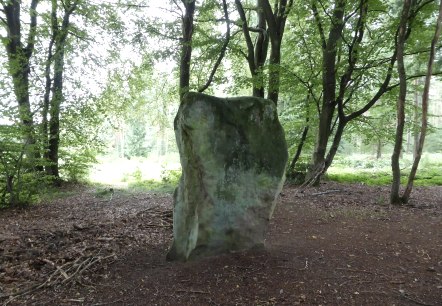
[(56, 101), (299, 148), (322, 138), (274, 72), (186, 47), (395, 186), (59, 36), (256, 55), (329, 55), (379, 149), (335, 145), (260, 55), (423, 130), (46, 101), (276, 24), (416, 118), (19, 68)]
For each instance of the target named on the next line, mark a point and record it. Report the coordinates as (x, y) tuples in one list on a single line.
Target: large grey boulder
[(233, 157)]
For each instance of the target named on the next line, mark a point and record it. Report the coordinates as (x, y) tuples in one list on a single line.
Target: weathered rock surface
[(233, 155)]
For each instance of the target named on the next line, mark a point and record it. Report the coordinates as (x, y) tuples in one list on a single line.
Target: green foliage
[(75, 165), (137, 140), (365, 170), (19, 183), (167, 184), (170, 176), (433, 142)]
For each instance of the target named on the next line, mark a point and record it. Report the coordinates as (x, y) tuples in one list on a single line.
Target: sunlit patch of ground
[(119, 172)]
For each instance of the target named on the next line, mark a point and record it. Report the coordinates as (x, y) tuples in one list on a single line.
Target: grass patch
[(153, 186), (364, 170), (359, 176), (166, 184)]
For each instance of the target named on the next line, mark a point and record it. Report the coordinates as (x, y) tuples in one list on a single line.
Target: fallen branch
[(192, 291), (355, 270), (408, 297), (60, 275), (326, 192)]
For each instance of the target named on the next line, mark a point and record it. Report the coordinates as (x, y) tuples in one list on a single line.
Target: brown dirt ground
[(330, 245)]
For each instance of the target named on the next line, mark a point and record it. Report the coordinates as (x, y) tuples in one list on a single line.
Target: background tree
[(19, 49), (350, 65), (395, 197), (59, 35), (401, 37)]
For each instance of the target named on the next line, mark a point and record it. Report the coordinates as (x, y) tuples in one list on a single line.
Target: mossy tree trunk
[(19, 56)]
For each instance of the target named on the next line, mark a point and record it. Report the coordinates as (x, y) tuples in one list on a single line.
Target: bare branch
[(222, 52)]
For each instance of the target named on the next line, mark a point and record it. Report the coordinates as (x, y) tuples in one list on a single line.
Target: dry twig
[(60, 275)]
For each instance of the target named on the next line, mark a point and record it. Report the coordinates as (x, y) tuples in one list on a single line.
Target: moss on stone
[(233, 154)]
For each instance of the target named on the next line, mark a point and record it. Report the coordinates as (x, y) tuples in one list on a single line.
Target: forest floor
[(337, 244)]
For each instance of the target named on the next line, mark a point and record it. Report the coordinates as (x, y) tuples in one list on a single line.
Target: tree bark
[(261, 48), (256, 54), (299, 148), (416, 118), (46, 99), (186, 46), (400, 106), (59, 33), (423, 130), (222, 52), (379, 149), (19, 68), (329, 56), (276, 20)]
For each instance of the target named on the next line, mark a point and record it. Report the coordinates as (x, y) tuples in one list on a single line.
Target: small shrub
[(170, 176)]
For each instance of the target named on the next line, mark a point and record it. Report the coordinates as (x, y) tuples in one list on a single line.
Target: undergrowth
[(374, 172), (166, 184)]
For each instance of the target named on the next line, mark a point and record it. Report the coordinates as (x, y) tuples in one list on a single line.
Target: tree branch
[(415, 76), (222, 52), (352, 55), (384, 87), (250, 50), (32, 29), (271, 21), (319, 25)]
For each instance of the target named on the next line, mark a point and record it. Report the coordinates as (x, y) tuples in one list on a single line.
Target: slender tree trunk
[(186, 47), (46, 101), (299, 148), (423, 130), (379, 149), (395, 186), (415, 133), (335, 144), (260, 55)]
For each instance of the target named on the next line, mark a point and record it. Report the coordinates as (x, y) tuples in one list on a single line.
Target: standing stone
[(233, 157)]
